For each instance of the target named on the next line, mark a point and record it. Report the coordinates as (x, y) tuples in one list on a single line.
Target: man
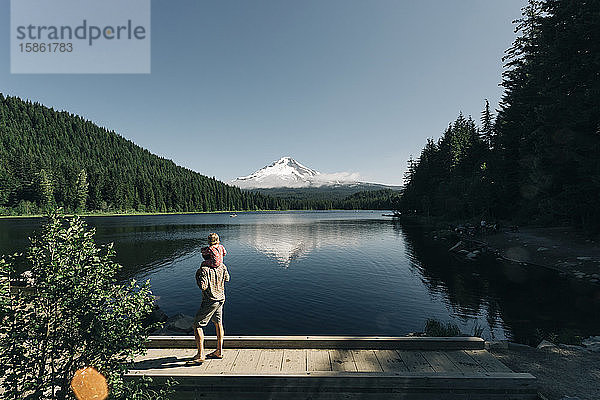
[(211, 278)]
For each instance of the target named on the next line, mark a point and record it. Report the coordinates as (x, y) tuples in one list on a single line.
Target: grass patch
[(435, 328)]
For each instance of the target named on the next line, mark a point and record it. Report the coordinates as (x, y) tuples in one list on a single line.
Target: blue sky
[(340, 85)]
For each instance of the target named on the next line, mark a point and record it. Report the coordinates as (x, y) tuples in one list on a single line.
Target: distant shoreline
[(129, 214)]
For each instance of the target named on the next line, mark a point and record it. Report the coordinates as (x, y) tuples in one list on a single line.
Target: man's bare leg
[(199, 335), (220, 334)]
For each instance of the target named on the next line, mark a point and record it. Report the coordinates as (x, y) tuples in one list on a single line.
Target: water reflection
[(527, 301), (335, 273), (286, 243), (142, 249)]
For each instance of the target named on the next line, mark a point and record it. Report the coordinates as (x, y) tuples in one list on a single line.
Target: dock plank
[(318, 360), (439, 361), (465, 362), (488, 361), (342, 360), (270, 361), (366, 361), (390, 361), (294, 360), (415, 362), (246, 361), (164, 359), (214, 366), (360, 371)]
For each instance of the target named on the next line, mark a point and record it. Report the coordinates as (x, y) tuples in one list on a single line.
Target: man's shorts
[(209, 311)]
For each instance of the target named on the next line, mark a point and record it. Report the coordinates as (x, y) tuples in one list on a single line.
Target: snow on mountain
[(287, 172)]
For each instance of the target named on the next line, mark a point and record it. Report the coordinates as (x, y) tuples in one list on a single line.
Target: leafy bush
[(75, 315)]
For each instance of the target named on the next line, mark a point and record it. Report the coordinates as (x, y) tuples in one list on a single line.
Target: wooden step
[(325, 367), (325, 342), (338, 385)]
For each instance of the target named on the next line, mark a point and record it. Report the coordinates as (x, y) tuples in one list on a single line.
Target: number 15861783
[(55, 47)]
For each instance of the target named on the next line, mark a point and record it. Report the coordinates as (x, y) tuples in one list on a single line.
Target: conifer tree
[(539, 159), (46, 190), (487, 129), (82, 190)]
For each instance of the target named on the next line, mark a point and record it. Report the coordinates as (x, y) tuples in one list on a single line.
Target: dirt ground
[(562, 249), (561, 371)]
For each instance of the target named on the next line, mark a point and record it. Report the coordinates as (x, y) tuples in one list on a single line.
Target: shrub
[(477, 330), (76, 315), (436, 328)]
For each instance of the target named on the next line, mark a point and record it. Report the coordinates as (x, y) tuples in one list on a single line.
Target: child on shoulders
[(214, 253)]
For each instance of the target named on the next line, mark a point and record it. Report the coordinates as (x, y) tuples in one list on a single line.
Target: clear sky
[(340, 85)]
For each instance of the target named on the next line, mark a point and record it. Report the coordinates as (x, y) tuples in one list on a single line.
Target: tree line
[(52, 159), (537, 159)]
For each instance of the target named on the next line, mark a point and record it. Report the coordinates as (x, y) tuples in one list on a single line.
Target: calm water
[(352, 273)]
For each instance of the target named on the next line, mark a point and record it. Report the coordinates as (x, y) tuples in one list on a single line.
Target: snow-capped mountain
[(287, 172)]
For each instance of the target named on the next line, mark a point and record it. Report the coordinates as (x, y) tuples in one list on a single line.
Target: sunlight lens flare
[(89, 384)]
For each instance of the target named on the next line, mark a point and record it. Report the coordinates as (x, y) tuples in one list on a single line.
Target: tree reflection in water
[(528, 301), (337, 273)]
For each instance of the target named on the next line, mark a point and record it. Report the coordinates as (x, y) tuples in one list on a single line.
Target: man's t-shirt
[(212, 282)]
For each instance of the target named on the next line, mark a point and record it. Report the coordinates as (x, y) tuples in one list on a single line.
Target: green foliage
[(549, 122), (144, 389), (44, 152), (52, 158), (436, 328), (82, 190), (539, 158), (477, 330), (442, 180), (354, 197), (46, 190), (487, 126), (74, 315), (462, 138), (384, 199)]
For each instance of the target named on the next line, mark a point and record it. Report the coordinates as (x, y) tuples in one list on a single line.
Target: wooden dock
[(317, 367)]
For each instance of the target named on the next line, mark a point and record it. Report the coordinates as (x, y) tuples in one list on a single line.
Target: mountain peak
[(285, 172), (284, 160), (289, 173)]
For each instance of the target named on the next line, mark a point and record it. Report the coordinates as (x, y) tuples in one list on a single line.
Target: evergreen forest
[(52, 159), (536, 158)]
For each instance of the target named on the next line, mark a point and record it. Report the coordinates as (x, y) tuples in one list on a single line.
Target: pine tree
[(487, 129), (82, 190), (46, 190), (410, 171)]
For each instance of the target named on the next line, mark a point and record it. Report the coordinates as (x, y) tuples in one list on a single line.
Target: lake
[(334, 273)]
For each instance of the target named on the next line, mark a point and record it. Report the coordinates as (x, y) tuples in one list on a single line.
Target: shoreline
[(561, 249), (562, 369), (558, 248), (135, 214)]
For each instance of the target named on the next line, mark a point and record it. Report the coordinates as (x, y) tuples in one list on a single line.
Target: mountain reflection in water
[(286, 242)]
